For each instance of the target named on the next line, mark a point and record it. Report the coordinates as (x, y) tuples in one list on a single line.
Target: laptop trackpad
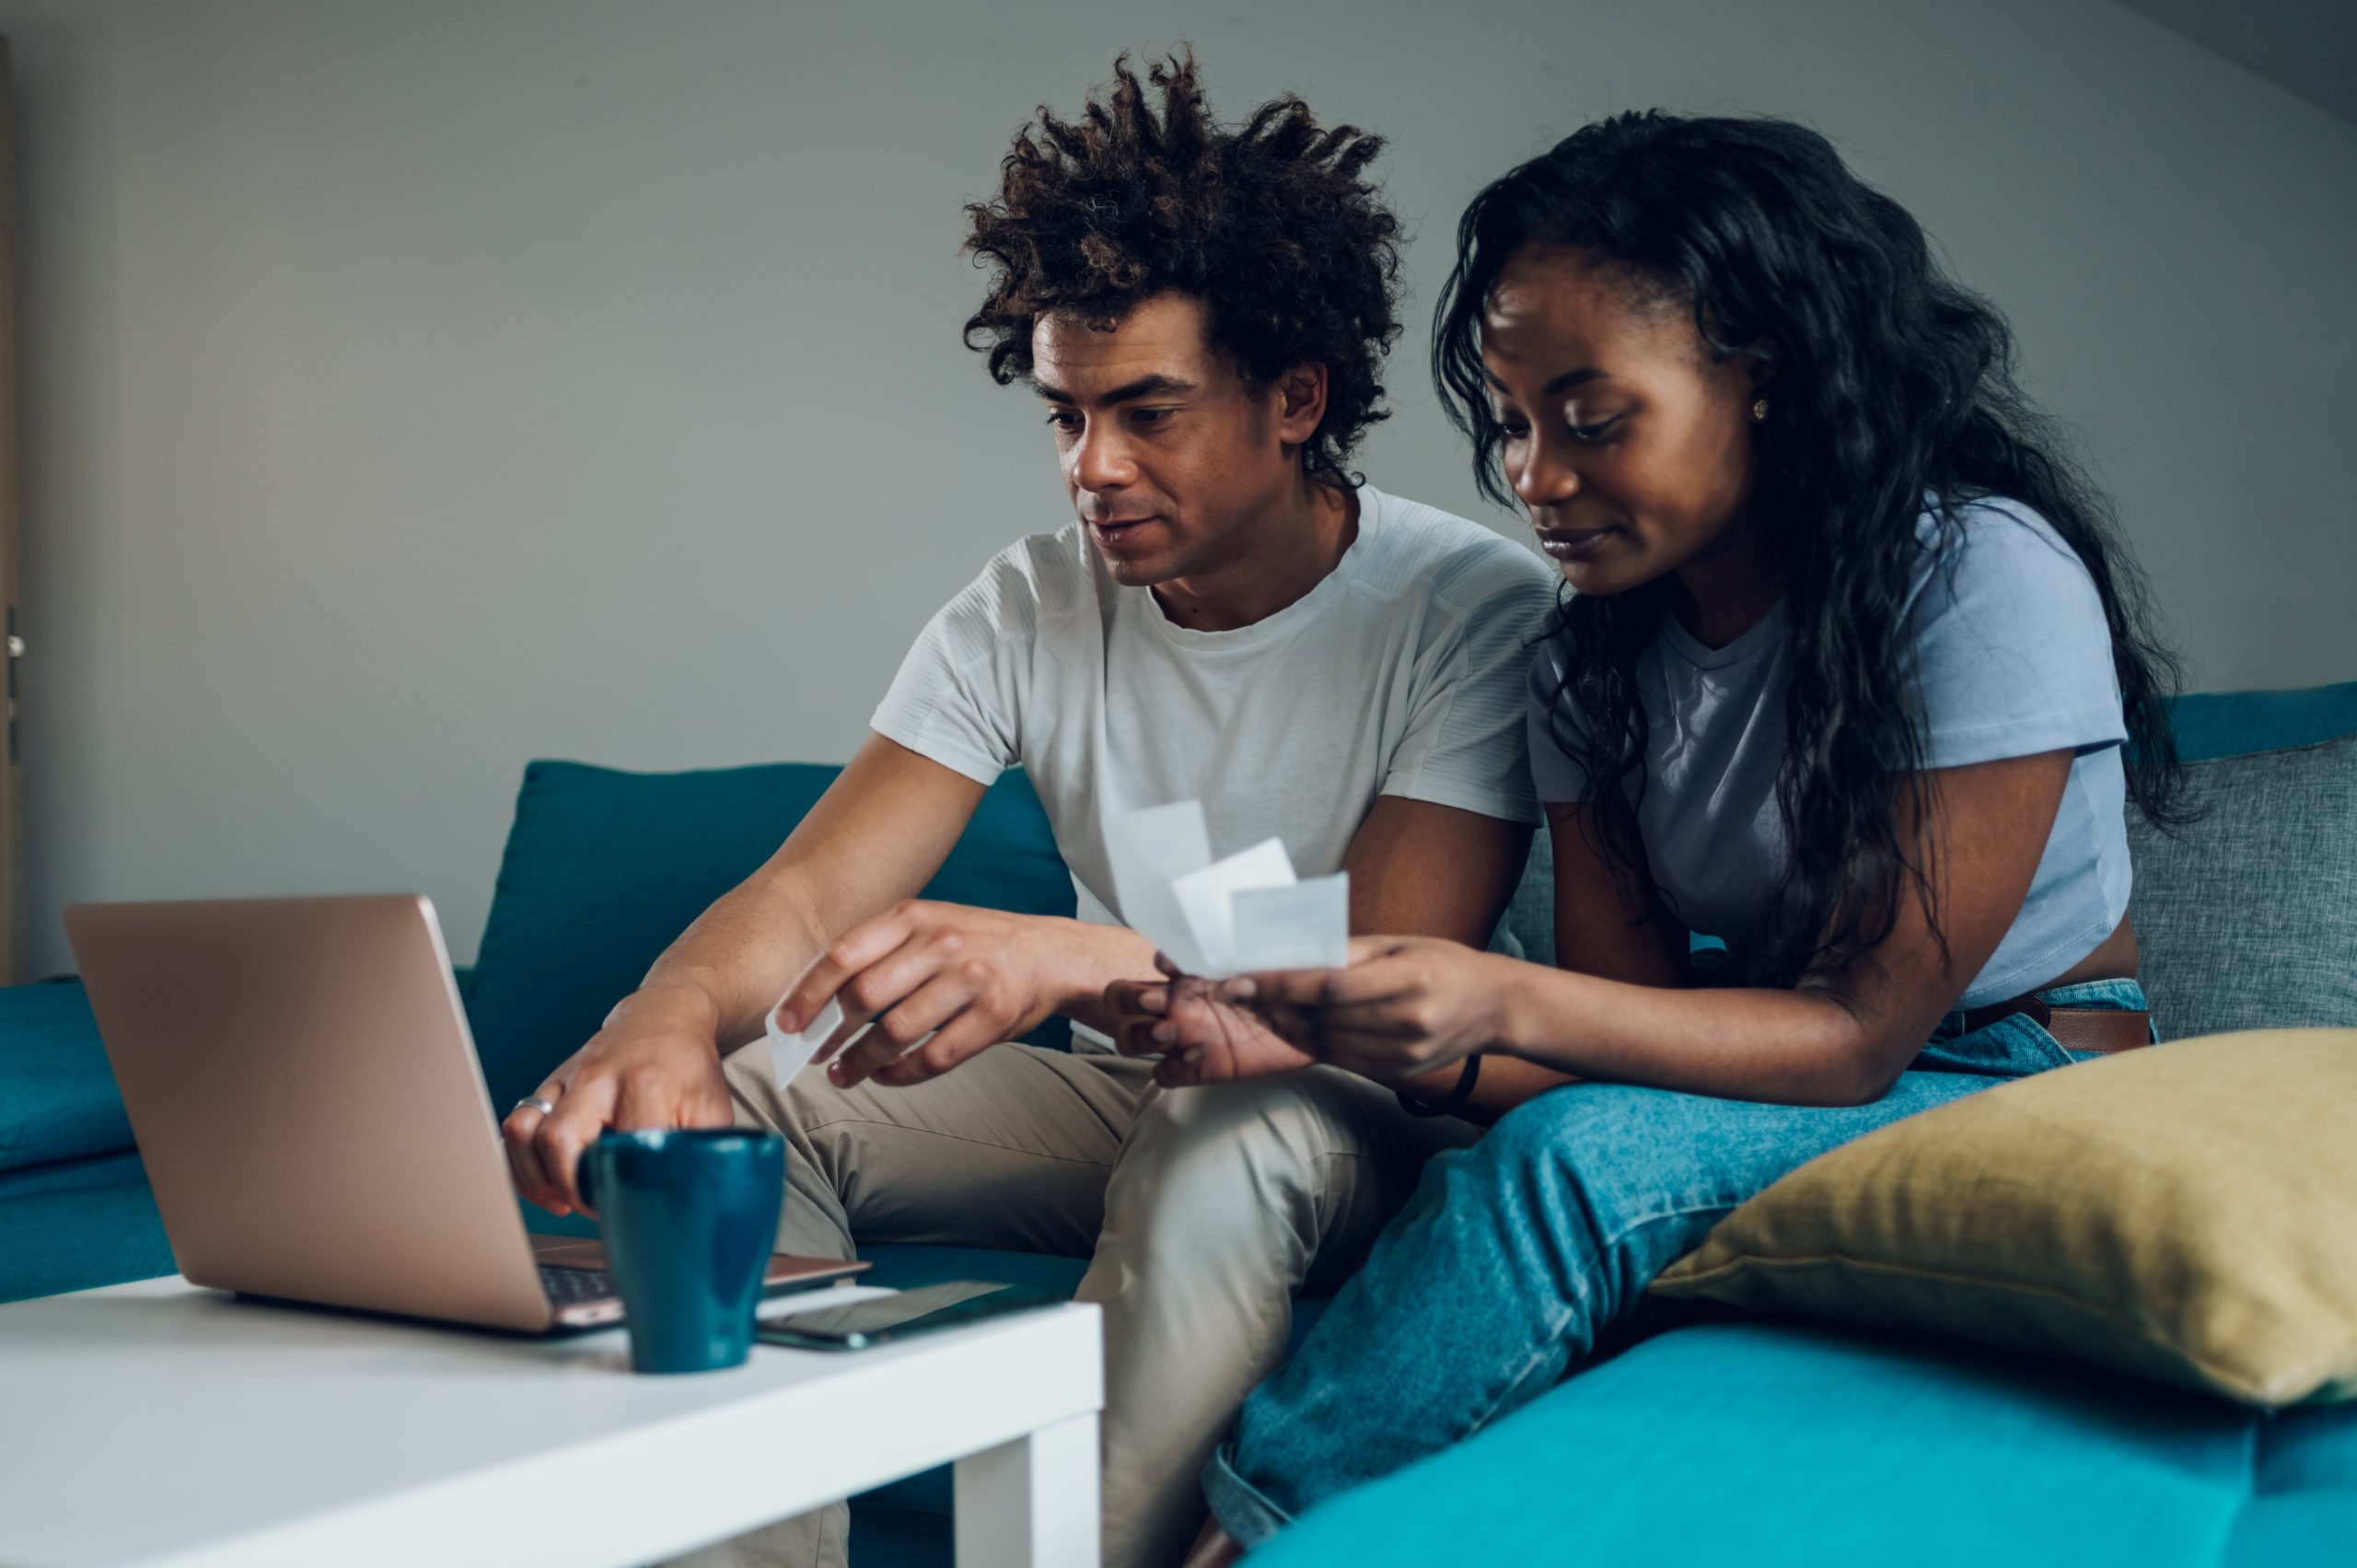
[(568, 1252)]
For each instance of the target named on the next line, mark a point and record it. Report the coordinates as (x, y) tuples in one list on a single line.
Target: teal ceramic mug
[(688, 1217)]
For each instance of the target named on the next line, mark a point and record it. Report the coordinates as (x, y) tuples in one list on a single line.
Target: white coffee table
[(157, 1423)]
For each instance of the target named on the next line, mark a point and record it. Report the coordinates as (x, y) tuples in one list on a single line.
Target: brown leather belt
[(2106, 1030)]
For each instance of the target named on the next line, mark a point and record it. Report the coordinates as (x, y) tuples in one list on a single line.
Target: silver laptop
[(313, 1118)]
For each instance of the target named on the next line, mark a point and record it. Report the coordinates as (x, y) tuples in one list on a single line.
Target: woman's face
[(1627, 439)]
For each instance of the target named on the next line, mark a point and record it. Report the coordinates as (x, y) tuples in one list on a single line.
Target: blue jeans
[(1514, 1254)]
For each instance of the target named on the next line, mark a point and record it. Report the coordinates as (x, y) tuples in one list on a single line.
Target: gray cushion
[(2249, 918), (1528, 931)]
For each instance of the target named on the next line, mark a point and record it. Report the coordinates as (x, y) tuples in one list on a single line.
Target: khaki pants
[(1202, 1212)]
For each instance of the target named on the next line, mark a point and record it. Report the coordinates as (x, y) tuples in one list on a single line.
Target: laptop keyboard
[(570, 1287)]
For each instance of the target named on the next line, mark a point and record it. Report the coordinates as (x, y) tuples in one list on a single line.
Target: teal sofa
[(1703, 1434)]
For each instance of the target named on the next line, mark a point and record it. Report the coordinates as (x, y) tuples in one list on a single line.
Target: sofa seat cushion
[(57, 1095), (75, 1224), (1796, 1444), (603, 868)]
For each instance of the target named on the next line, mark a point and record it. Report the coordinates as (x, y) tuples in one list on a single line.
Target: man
[(1203, 313)]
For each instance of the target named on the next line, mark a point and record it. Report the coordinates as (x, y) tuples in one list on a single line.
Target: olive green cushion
[(2186, 1212)]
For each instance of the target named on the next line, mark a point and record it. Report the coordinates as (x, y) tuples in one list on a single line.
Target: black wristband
[(1450, 1103)]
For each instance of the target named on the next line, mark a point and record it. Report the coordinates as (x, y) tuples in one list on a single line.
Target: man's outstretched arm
[(838, 885)]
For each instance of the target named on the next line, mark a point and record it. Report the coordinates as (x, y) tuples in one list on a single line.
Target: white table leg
[(1031, 1503)]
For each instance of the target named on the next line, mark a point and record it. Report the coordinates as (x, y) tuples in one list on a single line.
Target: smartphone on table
[(883, 1318)]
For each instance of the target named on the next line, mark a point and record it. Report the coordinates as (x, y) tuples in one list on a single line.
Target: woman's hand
[(1405, 1006)]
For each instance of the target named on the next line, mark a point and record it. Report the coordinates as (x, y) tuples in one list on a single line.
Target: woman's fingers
[(1133, 1036), (1124, 997), (1373, 981), (1180, 1070)]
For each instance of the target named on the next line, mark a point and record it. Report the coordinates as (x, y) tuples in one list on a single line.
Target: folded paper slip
[(789, 1054), (1219, 918)]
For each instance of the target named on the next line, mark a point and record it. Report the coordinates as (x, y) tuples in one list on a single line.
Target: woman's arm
[(1837, 1038), (1615, 927), (1406, 1007)]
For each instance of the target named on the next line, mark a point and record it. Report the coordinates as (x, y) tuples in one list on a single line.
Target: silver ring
[(545, 1106)]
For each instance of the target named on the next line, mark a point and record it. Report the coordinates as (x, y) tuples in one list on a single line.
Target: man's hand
[(655, 1064), (969, 977), (1202, 1038)]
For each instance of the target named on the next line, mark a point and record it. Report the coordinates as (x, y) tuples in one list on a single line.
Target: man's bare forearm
[(728, 968), (1088, 957), (740, 956)]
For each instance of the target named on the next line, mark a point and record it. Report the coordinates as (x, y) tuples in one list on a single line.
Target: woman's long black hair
[(1893, 383)]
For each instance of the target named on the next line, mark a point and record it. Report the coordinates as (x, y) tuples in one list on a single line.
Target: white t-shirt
[(1401, 673)]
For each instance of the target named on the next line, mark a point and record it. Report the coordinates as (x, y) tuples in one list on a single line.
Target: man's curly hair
[(1272, 225)]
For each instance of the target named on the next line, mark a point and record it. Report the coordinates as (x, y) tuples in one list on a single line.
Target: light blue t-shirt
[(2012, 658)]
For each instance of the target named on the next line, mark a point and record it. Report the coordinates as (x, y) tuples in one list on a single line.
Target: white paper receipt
[(1220, 918), (790, 1053)]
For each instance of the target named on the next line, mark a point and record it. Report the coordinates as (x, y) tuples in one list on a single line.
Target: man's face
[(1168, 456)]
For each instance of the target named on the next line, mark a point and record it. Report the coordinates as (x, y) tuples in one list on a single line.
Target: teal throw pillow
[(57, 1094)]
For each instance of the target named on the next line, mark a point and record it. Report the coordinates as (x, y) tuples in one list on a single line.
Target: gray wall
[(414, 389)]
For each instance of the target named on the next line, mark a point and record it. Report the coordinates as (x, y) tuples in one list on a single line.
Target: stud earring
[(1759, 410)]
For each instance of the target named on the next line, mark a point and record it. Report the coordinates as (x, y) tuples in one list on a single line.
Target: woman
[(1844, 680)]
